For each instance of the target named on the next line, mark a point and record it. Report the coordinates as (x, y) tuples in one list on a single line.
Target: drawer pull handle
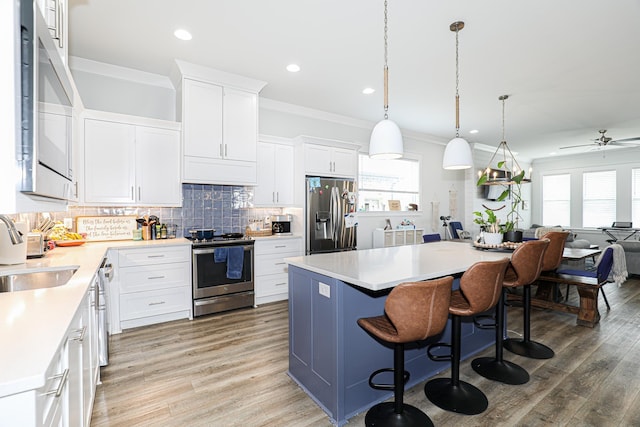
[(155, 256), (280, 284), (280, 246), (81, 333), (156, 303), (280, 263), (155, 277), (58, 391)]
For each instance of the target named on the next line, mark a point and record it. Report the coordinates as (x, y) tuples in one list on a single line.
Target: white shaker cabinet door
[(202, 119), (109, 162), (284, 175), (345, 162), (158, 166), (317, 159), (265, 192), (240, 125)]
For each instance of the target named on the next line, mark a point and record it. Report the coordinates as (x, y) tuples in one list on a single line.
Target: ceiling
[(569, 69)]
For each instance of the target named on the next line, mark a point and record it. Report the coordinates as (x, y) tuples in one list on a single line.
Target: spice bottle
[(163, 231)]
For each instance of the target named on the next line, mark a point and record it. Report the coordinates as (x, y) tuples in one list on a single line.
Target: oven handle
[(210, 250)]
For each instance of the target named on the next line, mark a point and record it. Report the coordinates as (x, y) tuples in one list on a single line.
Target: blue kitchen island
[(330, 356)]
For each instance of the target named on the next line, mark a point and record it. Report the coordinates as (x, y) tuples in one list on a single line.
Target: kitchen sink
[(35, 280)]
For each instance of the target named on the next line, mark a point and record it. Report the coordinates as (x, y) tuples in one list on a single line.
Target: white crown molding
[(118, 72)]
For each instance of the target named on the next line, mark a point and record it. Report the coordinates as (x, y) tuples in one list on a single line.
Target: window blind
[(598, 198)]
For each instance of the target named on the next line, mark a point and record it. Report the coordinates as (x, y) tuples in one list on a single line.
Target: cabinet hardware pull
[(155, 256), (156, 303), (277, 196), (132, 194), (273, 196), (225, 150), (58, 391), (280, 263), (221, 151), (280, 246), (155, 277), (59, 26), (139, 193), (280, 284)]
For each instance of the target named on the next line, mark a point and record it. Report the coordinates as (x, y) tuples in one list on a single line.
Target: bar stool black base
[(383, 414), (500, 370), (463, 398), (530, 349)]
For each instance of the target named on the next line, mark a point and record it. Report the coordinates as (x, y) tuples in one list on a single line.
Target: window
[(635, 197), (384, 180), (598, 199), (556, 200)]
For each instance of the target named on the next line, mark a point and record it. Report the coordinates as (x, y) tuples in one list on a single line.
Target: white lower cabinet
[(66, 398), (271, 273), (151, 285)]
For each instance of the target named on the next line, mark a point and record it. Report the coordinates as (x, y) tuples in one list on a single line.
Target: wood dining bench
[(588, 289)]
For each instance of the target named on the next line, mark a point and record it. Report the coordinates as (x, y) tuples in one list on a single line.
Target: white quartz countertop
[(34, 323), (382, 268)]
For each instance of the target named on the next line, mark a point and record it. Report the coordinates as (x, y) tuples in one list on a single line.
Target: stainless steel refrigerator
[(330, 210)]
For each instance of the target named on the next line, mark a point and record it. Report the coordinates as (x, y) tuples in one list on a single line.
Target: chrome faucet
[(14, 234)]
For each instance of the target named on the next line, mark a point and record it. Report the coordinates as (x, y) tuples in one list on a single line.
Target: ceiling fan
[(603, 141)]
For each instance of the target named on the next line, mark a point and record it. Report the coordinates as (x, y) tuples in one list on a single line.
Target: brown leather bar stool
[(550, 261), (413, 311), (480, 289), (523, 270)]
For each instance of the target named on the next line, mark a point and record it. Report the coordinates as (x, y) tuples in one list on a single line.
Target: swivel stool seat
[(413, 311), (480, 290), (551, 260), (523, 270)]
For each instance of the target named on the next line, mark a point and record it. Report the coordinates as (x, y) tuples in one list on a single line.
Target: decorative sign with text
[(106, 227)]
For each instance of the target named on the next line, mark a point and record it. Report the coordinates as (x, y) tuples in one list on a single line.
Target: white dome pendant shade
[(386, 141), (457, 154)]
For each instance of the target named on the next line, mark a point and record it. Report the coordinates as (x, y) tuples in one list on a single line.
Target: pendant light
[(386, 139), (508, 171), (457, 154)]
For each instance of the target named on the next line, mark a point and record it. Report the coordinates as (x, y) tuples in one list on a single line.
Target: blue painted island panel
[(331, 357)]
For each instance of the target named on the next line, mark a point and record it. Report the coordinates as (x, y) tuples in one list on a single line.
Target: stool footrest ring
[(379, 386), (439, 357), (484, 321)]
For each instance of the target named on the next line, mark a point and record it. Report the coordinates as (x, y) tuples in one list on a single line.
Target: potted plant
[(510, 227), (492, 231)]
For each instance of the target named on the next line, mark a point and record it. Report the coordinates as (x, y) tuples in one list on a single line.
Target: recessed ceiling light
[(368, 90), (293, 68), (182, 34), (474, 131)]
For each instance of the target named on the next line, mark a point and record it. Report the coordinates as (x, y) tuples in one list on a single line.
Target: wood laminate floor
[(230, 369)]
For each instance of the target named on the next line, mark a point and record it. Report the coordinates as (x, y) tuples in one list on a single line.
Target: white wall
[(121, 90)]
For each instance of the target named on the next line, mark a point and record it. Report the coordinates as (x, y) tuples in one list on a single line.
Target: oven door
[(212, 275)]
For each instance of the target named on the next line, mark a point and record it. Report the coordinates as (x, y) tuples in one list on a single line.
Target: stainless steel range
[(222, 273)]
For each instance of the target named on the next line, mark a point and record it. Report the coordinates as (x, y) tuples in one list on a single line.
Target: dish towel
[(235, 261), (220, 254), (619, 269)]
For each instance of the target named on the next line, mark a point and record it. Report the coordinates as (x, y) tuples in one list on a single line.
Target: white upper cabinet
[(202, 131), (275, 175), (55, 15), (219, 113), (130, 164), (330, 161)]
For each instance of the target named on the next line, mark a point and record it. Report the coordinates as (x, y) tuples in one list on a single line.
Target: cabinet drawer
[(272, 264), (278, 246), (271, 285), (159, 255), (152, 303), (151, 277)]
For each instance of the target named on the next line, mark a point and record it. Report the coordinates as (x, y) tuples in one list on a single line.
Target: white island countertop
[(34, 323), (382, 268)]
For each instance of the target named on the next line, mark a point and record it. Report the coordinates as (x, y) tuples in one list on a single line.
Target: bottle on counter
[(158, 231), (163, 231)]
